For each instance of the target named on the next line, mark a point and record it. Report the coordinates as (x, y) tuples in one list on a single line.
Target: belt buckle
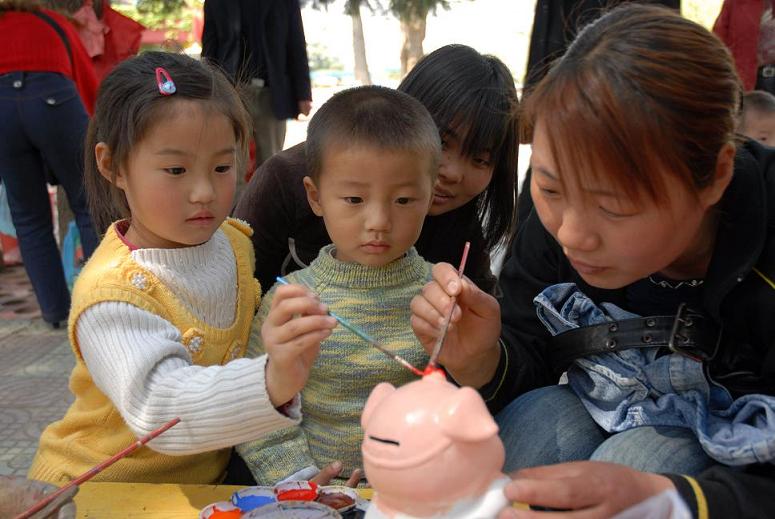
[(677, 342), (257, 82), (768, 71)]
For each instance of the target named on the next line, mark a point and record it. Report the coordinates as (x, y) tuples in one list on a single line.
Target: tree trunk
[(359, 49), (413, 30)]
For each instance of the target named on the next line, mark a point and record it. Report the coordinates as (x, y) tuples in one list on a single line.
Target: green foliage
[(408, 9), (162, 14), (320, 58)]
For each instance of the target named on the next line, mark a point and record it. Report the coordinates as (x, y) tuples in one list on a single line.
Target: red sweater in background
[(29, 44), (738, 26)]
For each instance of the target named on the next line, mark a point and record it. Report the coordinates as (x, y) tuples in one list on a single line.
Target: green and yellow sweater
[(375, 299)]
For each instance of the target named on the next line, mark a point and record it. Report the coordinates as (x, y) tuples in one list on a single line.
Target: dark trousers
[(42, 128)]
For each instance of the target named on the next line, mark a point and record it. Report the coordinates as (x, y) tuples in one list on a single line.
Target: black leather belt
[(688, 333)]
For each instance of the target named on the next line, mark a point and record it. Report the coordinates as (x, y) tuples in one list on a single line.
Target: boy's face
[(373, 201), (759, 126)]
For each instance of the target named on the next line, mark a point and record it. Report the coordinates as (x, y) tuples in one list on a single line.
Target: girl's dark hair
[(641, 90), (474, 96), (373, 116), (129, 102)]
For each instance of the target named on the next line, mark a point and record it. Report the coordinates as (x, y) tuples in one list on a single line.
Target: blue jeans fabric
[(43, 125), (551, 425), (639, 387)]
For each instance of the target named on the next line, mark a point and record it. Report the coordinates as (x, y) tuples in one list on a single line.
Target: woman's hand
[(582, 489), (470, 353), (333, 470), (296, 323)]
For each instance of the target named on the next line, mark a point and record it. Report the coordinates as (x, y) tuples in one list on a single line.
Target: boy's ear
[(722, 176), (105, 165), (313, 196)]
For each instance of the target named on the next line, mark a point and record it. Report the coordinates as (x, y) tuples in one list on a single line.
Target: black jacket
[(737, 298), (275, 204), (555, 25), (235, 29)]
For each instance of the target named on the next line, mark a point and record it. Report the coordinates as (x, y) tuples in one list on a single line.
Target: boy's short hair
[(373, 116), (758, 100)]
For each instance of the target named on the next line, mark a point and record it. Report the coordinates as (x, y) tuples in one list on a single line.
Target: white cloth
[(137, 359), (487, 506)]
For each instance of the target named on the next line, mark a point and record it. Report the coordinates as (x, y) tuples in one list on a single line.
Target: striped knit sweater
[(376, 299)]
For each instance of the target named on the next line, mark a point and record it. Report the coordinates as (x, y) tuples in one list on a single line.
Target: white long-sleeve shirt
[(137, 359)]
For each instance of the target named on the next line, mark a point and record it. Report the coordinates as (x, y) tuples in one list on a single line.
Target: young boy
[(372, 154), (758, 118)]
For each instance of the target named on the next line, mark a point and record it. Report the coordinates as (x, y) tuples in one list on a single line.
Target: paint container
[(341, 499), (220, 510), (294, 510), (251, 498), (296, 491)]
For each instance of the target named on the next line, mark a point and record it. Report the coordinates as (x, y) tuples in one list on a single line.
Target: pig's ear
[(464, 417), (378, 394)]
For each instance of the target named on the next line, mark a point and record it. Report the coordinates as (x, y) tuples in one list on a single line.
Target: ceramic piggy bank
[(431, 449)]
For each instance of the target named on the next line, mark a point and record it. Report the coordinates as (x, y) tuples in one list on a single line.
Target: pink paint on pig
[(431, 449)]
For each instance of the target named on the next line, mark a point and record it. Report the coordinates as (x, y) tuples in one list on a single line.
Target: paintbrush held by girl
[(161, 313)]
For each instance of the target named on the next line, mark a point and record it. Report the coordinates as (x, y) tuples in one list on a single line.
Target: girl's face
[(612, 241), (460, 178), (179, 180)]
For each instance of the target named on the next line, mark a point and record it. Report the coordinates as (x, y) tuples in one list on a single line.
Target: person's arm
[(729, 492), (84, 77), (721, 25), (137, 359), (531, 267), (298, 62), (209, 32), (269, 204), (284, 454)]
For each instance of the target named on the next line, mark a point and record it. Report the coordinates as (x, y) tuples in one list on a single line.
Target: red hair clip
[(165, 83)]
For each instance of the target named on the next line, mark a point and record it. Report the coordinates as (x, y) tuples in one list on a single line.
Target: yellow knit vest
[(92, 430)]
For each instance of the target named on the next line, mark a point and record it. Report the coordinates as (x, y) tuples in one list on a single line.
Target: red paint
[(226, 514), (429, 370), (296, 491)]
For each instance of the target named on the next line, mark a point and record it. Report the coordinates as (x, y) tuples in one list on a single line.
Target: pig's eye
[(383, 440)]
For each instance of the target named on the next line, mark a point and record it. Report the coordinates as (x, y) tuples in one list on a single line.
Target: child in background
[(757, 120), (165, 304), (372, 155)]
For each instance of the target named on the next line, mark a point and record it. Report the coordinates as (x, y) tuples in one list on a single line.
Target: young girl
[(652, 219), (165, 305), (473, 101)]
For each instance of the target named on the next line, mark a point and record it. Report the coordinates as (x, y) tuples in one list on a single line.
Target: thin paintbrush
[(96, 469), (440, 340), (366, 337)]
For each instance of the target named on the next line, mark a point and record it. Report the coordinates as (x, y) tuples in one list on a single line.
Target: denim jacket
[(644, 386)]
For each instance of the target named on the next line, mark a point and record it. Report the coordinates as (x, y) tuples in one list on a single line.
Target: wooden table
[(151, 501)]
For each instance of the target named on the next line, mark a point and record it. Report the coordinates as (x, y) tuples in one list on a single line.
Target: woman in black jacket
[(644, 200)]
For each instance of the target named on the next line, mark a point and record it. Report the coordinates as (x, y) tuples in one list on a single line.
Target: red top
[(738, 26), (29, 44)]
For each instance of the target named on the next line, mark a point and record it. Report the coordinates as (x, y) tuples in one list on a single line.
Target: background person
[(47, 89)]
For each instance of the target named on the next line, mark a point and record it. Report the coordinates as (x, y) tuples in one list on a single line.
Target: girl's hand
[(292, 332), (333, 470), (470, 352), (582, 489)]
